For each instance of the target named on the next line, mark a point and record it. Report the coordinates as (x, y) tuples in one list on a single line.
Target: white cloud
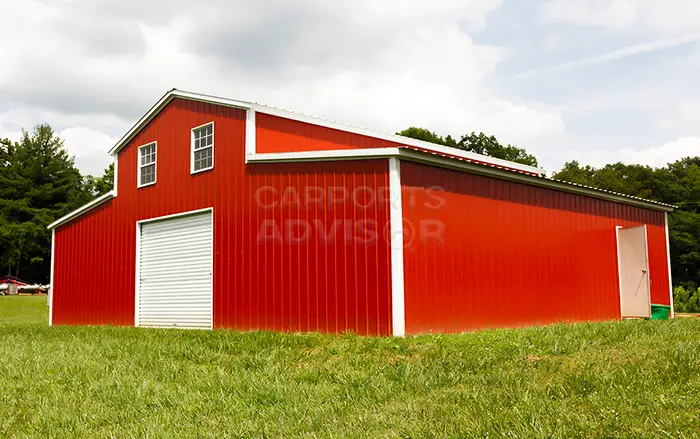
[(668, 17), (88, 147), (657, 156), (384, 65)]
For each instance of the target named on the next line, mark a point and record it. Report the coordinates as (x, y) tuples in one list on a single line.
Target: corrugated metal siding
[(175, 272), (291, 286), (89, 268), (514, 254), (277, 134)]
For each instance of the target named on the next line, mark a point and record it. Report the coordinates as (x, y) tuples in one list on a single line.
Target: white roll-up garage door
[(175, 272)]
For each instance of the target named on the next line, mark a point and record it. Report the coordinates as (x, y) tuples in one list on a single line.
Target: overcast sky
[(598, 81)]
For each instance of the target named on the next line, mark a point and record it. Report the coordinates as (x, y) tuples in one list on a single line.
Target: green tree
[(686, 299), (490, 146), (428, 136), (101, 185), (38, 184), (105, 183), (477, 143)]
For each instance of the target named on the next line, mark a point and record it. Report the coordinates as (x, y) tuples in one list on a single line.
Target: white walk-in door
[(633, 265), (175, 268)]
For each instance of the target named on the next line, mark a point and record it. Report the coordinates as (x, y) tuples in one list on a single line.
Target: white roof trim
[(79, 211), (337, 154), (169, 96), (461, 165), (315, 121)]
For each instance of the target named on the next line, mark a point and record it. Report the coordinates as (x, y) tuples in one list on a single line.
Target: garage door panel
[(164, 249), (175, 272)]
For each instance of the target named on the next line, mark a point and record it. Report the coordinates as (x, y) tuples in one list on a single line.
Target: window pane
[(148, 174), (203, 159), (147, 154)]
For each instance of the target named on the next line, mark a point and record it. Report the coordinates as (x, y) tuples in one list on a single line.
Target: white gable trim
[(169, 96)]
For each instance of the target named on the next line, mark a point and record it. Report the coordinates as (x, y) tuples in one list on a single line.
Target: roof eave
[(82, 209)]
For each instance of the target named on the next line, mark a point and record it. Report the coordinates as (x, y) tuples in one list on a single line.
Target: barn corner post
[(250, 135), (51, 278), (668, 257), (398, 312)]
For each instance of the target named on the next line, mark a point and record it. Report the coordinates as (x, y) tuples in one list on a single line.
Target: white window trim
[(138, 158), (192, 171)]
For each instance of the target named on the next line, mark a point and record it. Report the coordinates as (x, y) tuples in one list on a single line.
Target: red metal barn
[(229, 214)]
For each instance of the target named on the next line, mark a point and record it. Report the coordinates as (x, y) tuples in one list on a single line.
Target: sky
[(598, 81)]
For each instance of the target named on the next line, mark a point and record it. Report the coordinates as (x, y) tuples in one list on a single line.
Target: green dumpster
[(660, 312)]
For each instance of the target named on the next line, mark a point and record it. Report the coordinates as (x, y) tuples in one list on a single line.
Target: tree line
[(40, 183)]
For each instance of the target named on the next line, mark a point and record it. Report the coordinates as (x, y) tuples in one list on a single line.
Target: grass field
[(617, 379)]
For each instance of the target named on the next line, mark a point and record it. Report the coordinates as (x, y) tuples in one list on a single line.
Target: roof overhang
[(460, 165), (79, 211)]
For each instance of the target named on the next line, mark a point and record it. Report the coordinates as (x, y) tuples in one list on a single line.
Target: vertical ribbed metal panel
[(512, 254), (175, 272), (313, 284), (277, 134)]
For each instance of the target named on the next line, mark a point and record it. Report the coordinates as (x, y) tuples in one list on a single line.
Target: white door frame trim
[(619, 267), (668, 258), (138, 257)]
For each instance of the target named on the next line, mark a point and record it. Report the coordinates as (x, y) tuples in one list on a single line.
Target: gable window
[(147, 164), (202, 148)]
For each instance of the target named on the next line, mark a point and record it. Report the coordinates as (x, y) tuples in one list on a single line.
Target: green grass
[(23, 310), (616, 379)]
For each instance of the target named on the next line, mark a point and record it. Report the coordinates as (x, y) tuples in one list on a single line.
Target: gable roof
[(405, 142), (409, 149)]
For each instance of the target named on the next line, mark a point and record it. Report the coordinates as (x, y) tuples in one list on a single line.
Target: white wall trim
[(619, 266), (646, 256), (398, 309), (668, 257), (116, 175), (51, 278), (250, 133), (337, 154), (137, 275), (138, 256)]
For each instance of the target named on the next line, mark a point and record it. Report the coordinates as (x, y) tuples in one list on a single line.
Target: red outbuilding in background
[(229, 214)]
